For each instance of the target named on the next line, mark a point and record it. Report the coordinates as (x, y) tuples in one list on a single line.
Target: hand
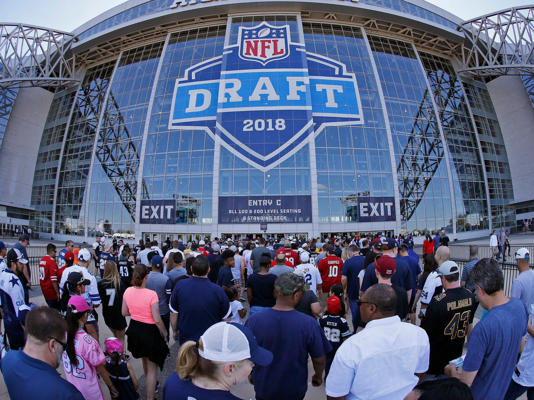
[(317, 380), (450, 370), (114, 393)]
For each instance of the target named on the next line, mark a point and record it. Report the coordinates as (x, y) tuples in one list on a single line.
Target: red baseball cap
[(385, 265), (333, 305), (69, 256)]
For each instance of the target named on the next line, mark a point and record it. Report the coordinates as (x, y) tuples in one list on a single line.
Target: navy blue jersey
[(120, 376), (351, 269), (225, 277), (104, 257), (335, 329)]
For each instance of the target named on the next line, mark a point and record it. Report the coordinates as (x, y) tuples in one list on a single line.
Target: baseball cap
[(215, 247), (25, 237), (386, 244), (385, 265), (304, 257), (76, 278), (15, 255), (331, 249), (69, 256), (113, 345), (201, 243), (333, 305), (84, 255), (289, 283), (227, 341), (519, 254), (448, 268), (157, 261), (2, 245), (79, 304)]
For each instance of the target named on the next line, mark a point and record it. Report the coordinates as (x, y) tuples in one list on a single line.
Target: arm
[(132, 375), (102, 371), (316, 309), (174, 324), (318, 368), (466, 377), (125, 310), (157, 318), (249, 295), (26, 273), (56, 288)]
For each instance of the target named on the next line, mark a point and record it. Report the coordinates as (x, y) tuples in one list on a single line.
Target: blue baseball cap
[(228, 341), (2, 245), (157, 261)]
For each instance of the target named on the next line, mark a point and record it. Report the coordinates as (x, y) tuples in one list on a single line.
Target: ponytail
[(72, 327), (139, 273), (190, 363)]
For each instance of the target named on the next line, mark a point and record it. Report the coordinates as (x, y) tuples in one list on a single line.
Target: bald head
[(442, 254), (383, 297)]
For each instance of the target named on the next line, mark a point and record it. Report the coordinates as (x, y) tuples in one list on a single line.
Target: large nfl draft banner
[(264, 97)]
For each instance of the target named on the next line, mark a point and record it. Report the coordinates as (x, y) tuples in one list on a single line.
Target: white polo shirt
[(379, 362)]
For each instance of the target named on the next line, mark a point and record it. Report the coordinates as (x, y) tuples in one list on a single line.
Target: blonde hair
[(345, 254), (111, 273)]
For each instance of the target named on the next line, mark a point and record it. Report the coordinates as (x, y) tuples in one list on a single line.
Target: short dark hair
[(353, 248), (383, 297), (227, 254), (44, 323), (403, 248), (200, 266), (488, 275), (444, 389), (50, 247), (177, 257), (188, 265), (452, 277), (262, 240), (68, 242), (151, 254)]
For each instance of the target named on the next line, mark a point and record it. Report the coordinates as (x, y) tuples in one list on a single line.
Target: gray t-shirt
[(523, 289), (162, 285), (255, 256), (280, 269)]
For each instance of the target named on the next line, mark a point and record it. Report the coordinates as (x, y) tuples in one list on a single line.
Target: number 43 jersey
[(446, 322)]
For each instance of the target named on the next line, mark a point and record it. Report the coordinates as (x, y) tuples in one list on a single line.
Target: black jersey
[(446, 321), (402, 302), (120, 376), (335, 329), (125, 271), (112, 304)]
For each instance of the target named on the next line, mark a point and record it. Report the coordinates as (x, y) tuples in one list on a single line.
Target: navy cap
[(2, 245), (157, 261), (386, 244), (331, 249)]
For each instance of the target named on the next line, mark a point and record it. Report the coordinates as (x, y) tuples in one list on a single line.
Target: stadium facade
[(234, 117)]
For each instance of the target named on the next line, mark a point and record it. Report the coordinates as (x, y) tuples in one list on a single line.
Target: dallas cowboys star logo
[(14, 281)]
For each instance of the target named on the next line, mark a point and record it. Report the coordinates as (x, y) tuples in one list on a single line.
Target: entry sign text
[(158, 211), (265, 209), (373, 209), (265, 96)]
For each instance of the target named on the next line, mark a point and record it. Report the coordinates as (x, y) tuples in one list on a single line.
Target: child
[(83, 359), (121, 373), (335, 328), (238, 311), (337, 290)]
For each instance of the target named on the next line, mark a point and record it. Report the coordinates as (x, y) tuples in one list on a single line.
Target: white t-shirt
[(143, 256), (386, 347), (247, 254), (169, 252), (311, 275), (236, 270), (433, 281), (235, 306), (493, 241)]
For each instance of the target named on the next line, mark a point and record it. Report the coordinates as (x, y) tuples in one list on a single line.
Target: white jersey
[(311, 275), (12, 297), (433, 281), (247, 254), (91, 291)]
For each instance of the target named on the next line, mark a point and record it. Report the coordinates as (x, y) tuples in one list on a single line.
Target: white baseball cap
[(304, 257), (201, 243), (84, 255), (522, 253), (226, 342), (448, 268)]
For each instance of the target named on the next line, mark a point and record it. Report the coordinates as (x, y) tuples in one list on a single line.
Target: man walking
[(350, 281), (48, 277), (69, 246), (384, 360), (330, 269), (447, 319), (162, 285), (494, 344), (311, 274), (291, 336), (31, 373)]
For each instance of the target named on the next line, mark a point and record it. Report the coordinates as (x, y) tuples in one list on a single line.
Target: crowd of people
[(376, 320)]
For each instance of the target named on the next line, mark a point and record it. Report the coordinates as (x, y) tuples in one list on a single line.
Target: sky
[(66, 15)]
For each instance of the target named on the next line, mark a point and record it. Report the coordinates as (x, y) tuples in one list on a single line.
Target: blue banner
[(265, 96), (158, 212), (265, 209)]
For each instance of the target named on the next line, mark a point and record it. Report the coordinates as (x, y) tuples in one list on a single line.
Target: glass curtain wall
[(179, 163), (467, 174), (113, 187), (7, 99), (78, 152), (352, 161), (425, 203), (44, 179), (495, 157)]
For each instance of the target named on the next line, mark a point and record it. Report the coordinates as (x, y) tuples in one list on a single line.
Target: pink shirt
[(139, 302), (84, 376)]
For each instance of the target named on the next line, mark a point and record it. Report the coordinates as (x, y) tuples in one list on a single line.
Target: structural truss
[(500, 43), (35, 56)]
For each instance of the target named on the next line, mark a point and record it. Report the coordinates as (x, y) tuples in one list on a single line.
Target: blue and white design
[(265, 97)]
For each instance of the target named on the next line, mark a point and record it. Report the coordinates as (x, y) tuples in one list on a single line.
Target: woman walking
[(111, 289), (146, 333)]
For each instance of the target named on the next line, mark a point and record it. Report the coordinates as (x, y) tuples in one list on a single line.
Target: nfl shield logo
[(264, 43)]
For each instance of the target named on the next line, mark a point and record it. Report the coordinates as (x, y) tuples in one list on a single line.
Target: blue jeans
[(515, 390), (255, 309), (353, 304)]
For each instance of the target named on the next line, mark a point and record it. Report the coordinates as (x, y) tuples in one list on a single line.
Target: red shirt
[(203, 251), (291, 256), (330, 269), (47, 275), (428, 247)]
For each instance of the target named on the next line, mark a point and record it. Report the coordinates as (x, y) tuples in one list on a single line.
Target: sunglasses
[(63, 344), (359, 302)]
